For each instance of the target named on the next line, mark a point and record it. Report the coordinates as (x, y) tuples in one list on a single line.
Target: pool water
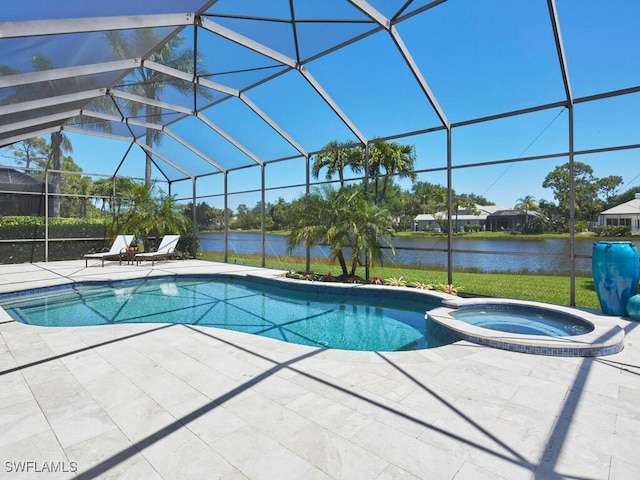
[(523, 320), (318, 319)]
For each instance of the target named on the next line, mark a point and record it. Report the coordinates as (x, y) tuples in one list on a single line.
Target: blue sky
[(478, 57)]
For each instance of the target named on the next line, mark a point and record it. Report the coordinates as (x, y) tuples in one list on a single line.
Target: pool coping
[(275, 278), (606, 338)]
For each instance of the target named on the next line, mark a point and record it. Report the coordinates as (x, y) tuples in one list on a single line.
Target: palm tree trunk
[(149, 143), (354, 265), (343, 264), (375, 190), (384, 188), (56, 147)]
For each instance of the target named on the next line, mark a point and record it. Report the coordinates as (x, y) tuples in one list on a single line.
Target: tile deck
[(158, 401)]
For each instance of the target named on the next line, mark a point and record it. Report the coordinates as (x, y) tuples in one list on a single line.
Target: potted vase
[(615, 267)]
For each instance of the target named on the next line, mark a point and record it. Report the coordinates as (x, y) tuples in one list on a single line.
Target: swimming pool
[(353, 319)]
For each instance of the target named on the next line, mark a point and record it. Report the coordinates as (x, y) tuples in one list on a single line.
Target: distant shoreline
[(474, 235)]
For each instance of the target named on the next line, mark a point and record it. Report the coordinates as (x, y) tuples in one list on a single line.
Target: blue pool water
[(522, 319), (362, 321)]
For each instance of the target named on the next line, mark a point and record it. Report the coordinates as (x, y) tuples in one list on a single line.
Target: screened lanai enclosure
[(230, 102)]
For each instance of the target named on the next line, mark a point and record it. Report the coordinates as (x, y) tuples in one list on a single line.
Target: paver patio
[(175, 401)]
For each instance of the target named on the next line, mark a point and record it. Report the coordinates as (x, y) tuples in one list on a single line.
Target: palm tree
[(526, 203), (343, 219), (336, 156), (151, 84), (395, 159), (148, 212), (372, 224), (60, 144), (456, 203), (427, 198), (468, 204)]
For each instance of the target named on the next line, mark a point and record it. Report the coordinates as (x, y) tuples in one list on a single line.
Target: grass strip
[(521, 286)]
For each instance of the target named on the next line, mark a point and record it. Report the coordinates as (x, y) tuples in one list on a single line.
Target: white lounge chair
[(118, 247), (165, 250)]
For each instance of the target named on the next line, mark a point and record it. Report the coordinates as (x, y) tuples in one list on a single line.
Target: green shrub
[(580, 226), (188, 243), (18, 228), (612, 231), (536, 225), (33, 228)]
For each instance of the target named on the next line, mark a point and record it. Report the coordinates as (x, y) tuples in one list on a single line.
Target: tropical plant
[(335, 157), (395, 282), (147, 213), (388, 159), (345, 220), (526, 203), (465, 203), (536, 225), (449, 288)]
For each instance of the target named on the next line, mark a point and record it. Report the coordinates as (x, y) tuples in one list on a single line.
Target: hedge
[(33, 228), (612, 231)]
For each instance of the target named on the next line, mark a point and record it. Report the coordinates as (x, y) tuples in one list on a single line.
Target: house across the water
[(486, 218), (626, 214), (513, 220), (437, 222)]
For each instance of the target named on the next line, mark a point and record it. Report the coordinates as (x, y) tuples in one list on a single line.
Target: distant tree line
[(82, 196), (592, 196)]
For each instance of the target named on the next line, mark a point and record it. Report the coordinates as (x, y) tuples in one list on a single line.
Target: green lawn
[(541, 288)]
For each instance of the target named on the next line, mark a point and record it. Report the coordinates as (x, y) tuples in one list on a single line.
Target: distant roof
[(424, 217), (490, 208), (14, 180), (632, 207), (484, 210), (514, 212)]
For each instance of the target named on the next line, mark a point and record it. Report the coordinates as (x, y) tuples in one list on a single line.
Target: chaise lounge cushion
[(119, 246)]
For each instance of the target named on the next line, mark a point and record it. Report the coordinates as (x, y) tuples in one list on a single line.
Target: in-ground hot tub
[(528, 327)]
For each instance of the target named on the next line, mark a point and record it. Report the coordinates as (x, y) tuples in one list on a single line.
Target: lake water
[(489, 255)]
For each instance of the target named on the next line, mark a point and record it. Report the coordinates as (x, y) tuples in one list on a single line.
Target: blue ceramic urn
[(615, 268)]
